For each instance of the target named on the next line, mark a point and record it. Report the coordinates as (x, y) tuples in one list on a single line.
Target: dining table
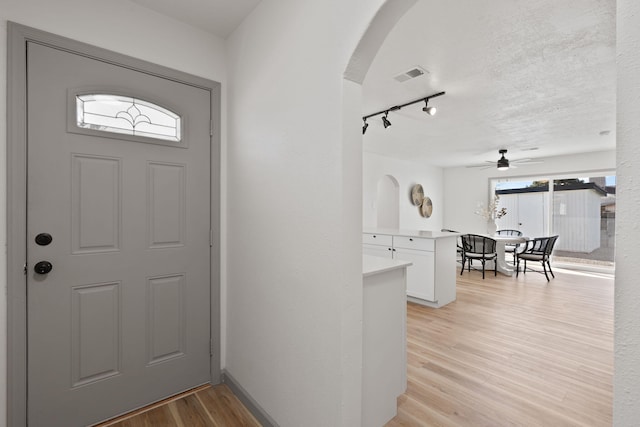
[(501, 263)]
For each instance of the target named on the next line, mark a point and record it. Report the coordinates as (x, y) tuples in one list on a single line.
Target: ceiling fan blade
[(527, 162), (488, 164), (492, 165)]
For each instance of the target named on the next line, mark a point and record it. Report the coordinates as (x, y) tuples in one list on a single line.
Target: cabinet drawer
[(376, 239), (418, 243)]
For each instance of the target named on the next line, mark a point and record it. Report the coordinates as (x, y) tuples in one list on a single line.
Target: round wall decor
[(417, 195), (426, 209)]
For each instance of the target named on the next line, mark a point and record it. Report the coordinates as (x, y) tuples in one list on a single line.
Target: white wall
[(407, 173), (626, 410), (118, 25), (465, 187), (294, 209)]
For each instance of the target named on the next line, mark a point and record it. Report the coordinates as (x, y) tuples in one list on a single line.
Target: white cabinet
[(418, 243), (420, 277), (377, 239), (376, 250), (380, 245), (421, 252), (431, 280)]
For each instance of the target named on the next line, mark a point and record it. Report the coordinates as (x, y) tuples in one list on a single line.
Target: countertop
[(411, 233), (373, 265)]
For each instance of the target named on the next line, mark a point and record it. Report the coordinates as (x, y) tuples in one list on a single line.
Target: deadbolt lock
[(43, 267), (43, 239)]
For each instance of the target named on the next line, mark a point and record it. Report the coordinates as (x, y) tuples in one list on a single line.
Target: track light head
[(503, 162), (365, 126), (429, 110), (386, 123)]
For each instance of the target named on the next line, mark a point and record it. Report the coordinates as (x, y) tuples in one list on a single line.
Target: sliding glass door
[(581, 210)]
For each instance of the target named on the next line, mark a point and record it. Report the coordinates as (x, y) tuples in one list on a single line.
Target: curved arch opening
[(388, 202)]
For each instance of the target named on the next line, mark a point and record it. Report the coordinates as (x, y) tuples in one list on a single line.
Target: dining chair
[(510, 247), (480, 248), (538, 249)]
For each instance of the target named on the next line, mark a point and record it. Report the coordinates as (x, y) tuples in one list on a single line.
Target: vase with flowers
[(491, 213)]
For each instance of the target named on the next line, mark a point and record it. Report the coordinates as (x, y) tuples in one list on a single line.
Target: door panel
[(95, 335), (122, 319), (166, 195), (166, 318), (95, 204)]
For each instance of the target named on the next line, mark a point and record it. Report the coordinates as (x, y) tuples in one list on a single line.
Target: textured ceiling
[(219, 17), (534, 77)]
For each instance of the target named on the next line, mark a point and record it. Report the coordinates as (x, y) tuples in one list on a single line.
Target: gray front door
[(119, 178)]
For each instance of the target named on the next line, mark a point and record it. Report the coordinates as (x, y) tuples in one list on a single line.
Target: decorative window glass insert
[(127, 115)]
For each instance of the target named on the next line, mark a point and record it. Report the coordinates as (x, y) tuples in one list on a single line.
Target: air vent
[(410, 74)]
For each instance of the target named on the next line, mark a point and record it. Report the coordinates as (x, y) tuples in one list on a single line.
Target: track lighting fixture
[(385, 120), (429, 110), (386, 123)]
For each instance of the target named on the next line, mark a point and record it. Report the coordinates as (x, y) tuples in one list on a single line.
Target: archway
[(383, 22)]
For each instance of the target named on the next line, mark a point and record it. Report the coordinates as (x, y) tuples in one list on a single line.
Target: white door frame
[(18, 36)]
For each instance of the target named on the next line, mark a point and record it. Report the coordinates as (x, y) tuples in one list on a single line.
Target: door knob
[(43, 267)]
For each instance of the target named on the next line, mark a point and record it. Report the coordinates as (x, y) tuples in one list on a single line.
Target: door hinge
[(210, 238), (25, 268), (210, 348), (211, 128)]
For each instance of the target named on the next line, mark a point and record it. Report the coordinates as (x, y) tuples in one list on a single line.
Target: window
[(127, 115)]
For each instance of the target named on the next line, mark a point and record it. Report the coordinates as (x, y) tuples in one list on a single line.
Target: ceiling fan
[(503, 163)]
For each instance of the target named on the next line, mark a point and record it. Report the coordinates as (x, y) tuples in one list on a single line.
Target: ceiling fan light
[(503, 164)]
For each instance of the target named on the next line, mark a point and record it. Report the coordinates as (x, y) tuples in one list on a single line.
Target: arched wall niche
[(388, 202)]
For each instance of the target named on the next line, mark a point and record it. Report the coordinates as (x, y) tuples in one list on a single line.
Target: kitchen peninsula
[(431, 280)]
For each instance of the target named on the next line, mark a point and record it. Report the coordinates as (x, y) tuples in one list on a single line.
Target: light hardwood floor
[(507, 352), (206, 406), (512, 352)]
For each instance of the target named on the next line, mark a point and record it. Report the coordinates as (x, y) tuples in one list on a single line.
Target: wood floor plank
[(225, 407), (160, 416), (205, 406), (189, 412), (512, 351)]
